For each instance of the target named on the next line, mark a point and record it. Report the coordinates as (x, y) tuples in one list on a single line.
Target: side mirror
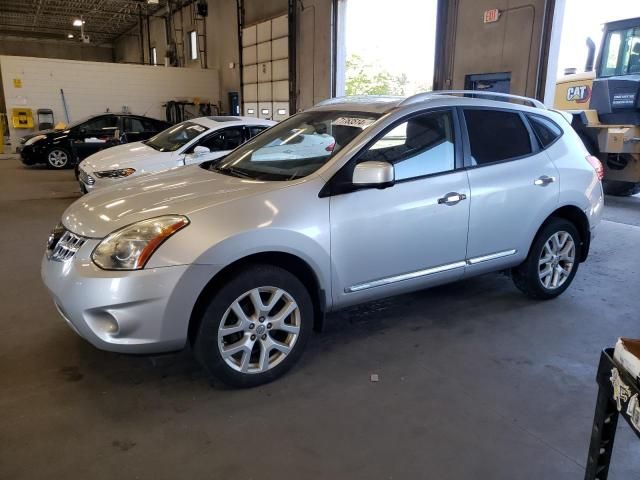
[(200, 150), (373, 174)]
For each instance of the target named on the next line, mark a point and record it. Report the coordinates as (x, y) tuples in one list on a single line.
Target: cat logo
[(579, 93)]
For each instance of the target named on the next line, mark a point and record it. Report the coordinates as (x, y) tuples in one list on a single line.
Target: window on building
[(193, 43), (496, 135), (154, 56)]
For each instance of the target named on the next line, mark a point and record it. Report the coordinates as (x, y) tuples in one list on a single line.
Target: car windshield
[(175, 137), (621, 54), (295, 147)]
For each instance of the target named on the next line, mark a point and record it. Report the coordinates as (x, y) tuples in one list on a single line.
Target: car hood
[(35, 134), (50, 133), (121, 156), (181, 191)]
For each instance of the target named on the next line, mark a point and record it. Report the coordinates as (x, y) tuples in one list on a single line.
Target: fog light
[(103, 322)]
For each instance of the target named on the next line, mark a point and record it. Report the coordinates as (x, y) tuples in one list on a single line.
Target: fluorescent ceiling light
[(69, 35), (78, 22)]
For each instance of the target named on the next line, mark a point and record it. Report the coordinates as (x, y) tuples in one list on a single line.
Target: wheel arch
[(576, 216), (290, 262)]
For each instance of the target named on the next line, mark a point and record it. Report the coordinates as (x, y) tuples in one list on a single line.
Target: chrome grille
[(66, 247), (86, 178)]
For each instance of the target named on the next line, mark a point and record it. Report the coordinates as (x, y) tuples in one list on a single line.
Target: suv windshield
[(621, 53), (175, 137), (295, 147)]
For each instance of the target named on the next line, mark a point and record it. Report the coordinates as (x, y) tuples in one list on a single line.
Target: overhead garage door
[(265, 69)]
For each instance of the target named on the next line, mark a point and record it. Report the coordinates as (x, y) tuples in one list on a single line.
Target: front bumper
[(31, 155), (144, 311)]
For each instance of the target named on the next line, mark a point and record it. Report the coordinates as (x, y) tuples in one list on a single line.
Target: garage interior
[(462, 381)]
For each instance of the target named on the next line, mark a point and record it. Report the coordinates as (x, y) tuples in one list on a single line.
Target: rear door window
[(152, 125), (496, 135), (544, 129)]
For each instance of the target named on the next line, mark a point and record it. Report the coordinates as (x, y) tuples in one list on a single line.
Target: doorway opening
[(385, 48)]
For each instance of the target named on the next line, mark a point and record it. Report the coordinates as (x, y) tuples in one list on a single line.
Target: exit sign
[(492, 15)]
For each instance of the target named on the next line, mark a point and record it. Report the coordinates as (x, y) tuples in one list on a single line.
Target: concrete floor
[(476, 381)]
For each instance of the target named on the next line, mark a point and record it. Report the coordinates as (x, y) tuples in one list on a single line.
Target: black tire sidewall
[(205, 344), (66, 165), (529, 270)]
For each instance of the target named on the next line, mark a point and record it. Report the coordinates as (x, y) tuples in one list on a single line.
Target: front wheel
[(552, 262), (255, 327), (58, 158)]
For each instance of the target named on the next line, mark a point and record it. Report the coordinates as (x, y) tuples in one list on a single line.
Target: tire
[(620, 189), (247, 340), (58, 158), (528, 276)]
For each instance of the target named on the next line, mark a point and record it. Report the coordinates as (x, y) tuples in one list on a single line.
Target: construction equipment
[(605, 104)]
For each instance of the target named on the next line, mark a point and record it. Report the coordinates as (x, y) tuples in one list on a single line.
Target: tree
[(365, 79)]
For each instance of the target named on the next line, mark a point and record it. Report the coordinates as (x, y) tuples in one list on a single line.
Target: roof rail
[(359, 99), (532, 102)]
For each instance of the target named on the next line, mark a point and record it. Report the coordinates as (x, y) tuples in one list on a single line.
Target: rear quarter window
[(545, 130)]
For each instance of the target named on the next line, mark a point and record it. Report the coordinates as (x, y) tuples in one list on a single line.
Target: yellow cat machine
[(605, 104)]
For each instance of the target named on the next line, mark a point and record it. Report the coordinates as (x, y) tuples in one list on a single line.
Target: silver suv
[(350, 201)]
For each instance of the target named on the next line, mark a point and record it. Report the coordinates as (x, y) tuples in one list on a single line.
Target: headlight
[(121, 173), (35, 139), (131, 247)]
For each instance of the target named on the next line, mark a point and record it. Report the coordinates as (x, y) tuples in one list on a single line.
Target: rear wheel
[(552, 262), (620, 189), (255, 327), (58, 158)]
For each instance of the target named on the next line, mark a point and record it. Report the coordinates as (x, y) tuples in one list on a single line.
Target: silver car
[(243, 257)]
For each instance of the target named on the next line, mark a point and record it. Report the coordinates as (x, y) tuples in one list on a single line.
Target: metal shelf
[(618, 396)]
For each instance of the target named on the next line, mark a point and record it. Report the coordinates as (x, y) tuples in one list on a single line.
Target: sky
[(402, 39), (584, 18)]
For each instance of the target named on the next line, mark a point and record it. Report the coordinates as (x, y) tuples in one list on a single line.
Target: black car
[(64, 148)]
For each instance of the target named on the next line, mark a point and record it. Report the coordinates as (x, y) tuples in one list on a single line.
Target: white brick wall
[(93, 87)]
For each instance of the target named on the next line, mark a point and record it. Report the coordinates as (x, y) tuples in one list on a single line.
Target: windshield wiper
[(235, 172)]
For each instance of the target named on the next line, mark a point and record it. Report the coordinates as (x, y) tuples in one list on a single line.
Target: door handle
[(452, 198), (544, 180)]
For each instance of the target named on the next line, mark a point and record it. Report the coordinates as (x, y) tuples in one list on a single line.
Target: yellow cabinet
[(22, 118)]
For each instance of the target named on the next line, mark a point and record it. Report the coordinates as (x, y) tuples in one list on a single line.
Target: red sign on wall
[(491, 16)]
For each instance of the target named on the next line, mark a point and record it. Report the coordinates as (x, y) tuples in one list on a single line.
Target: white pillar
[(554, 53)]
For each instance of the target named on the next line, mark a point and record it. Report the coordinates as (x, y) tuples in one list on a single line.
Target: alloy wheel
[(557, 260), (58, 158), (259, 330)]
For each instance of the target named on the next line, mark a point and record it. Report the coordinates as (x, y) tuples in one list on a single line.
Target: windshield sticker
[(353, 122)]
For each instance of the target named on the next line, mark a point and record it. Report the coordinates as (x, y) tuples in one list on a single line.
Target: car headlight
[(131, 247), (119, 173), (35, 139)]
